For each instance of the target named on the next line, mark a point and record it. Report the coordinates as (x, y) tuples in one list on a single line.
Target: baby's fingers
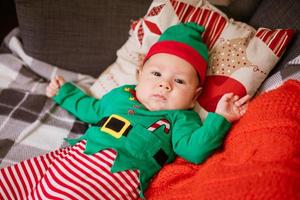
[(60, 80), (243, 109), (242, 100), (227, 97), (53, 84), (50, 92)]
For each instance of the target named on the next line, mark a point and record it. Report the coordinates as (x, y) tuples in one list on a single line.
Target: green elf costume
[(146, 140)]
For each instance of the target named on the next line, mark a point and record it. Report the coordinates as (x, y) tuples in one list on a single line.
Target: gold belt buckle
[(115, 125)]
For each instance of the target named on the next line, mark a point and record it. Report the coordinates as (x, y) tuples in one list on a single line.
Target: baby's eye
[(180, 81), (156, 73)]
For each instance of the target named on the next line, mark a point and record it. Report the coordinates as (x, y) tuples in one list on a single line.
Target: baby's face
[(167, 82)]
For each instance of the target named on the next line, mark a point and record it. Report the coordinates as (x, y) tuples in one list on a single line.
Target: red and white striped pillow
[(212, 20), (240, 56)]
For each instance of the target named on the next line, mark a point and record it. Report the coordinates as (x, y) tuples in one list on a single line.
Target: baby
[(135, 129)]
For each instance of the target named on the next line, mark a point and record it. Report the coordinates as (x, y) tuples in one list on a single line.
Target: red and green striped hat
[(185, 41)]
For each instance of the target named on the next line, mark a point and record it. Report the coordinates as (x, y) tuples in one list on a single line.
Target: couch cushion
[(284, 14), (8, 19), (76, 35), (240, 9)]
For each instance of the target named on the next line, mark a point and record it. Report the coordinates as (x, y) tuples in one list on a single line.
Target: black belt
[(117, 126), (161, 157)]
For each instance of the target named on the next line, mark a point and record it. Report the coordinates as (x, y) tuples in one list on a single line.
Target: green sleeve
[(74, 100), (195, 141)]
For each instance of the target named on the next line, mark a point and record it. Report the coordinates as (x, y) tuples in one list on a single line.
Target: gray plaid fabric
[(30, 123), (290, 71)]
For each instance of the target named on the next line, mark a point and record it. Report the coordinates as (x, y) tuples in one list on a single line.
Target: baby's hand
[(232, 107), (54, 86)]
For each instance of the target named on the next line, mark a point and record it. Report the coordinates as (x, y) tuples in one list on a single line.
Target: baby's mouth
[(160, 97)]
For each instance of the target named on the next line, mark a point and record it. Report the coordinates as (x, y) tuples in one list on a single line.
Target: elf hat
[(183, 40)]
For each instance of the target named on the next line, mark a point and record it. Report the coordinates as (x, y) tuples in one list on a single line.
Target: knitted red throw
[(260, 158)]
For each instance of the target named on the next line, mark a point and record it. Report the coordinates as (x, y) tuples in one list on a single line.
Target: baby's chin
[(162, 105), (156, 107)]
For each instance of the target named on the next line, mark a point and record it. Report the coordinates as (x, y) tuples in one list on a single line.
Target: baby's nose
[(165, 85)]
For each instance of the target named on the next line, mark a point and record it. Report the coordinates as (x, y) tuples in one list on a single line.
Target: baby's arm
[(195, 141), (74, 100), (232, 107)]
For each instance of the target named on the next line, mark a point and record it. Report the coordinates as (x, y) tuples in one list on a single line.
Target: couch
[(260, 156)]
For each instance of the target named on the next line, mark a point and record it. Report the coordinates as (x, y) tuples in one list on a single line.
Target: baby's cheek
[(176, 102)]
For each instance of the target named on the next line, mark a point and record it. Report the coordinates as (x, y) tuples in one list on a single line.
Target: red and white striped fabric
[(68, 174), (213, 22), (159, 123), (276, 40)]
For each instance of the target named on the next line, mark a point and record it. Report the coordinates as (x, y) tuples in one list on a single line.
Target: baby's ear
[(198, 92), (141, 58), (196, 95), (139, 72)]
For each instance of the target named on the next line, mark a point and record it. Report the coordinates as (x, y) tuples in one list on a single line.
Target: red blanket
[(260, 158)]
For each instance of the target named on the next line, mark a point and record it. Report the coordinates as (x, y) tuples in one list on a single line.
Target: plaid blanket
[(290, 71), (30, 123)]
